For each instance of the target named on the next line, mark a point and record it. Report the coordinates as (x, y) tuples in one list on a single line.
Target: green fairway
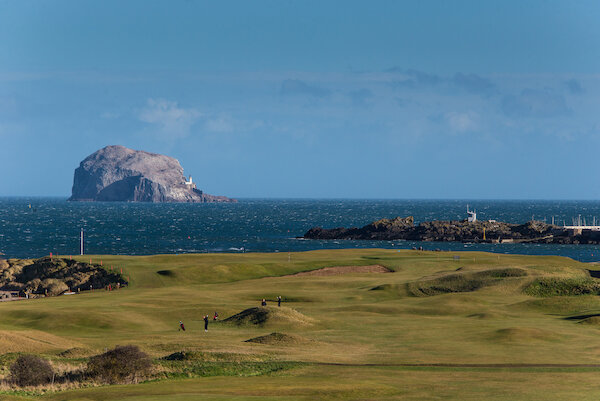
[(441, 325)]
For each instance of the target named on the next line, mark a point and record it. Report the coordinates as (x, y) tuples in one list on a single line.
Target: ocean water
[(256, 225)]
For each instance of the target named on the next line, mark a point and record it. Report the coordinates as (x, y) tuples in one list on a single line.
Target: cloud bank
[(170, 120)]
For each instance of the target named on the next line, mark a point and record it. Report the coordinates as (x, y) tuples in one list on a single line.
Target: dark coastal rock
[(380, 229), (459, 231), (116, 173)]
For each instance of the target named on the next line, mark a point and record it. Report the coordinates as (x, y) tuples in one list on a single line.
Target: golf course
[(367, 324)]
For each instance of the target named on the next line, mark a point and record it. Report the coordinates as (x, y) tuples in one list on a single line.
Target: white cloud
[(172, 121), (219, 124), (461, 122)]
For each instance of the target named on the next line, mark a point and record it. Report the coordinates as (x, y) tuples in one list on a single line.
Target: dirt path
[(337, 270)]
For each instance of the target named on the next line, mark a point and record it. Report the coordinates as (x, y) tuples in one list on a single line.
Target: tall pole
[(81, 244)]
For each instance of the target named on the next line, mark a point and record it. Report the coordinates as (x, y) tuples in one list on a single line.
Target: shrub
[(123, 364), (31, 370), (34, 284)]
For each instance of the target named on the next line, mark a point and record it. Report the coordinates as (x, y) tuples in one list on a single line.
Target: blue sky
[(377, 99)]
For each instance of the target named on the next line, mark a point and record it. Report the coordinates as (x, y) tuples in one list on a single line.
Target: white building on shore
[(471, 215), (190, 184)]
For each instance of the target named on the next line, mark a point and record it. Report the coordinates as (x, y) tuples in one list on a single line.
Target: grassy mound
[(565, 306), (262, 316), (462, 282), (523, 334), (76, 352), (278, 339), (486, 315), (592, 320), (202, 356), (391, 290), (558, 286)]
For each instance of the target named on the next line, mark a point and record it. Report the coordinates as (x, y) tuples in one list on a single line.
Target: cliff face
[(116, 173)]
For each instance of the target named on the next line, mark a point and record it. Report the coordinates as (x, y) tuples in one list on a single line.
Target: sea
[(34, 227)]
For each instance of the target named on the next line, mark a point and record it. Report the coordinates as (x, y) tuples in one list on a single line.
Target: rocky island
[(403, 228), (116, 173)]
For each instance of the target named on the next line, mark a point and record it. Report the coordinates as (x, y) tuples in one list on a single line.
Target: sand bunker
[(337, 270), (278, 339)]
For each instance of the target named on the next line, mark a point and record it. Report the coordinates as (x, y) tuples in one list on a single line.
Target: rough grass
[(190, 355), (592, 320), (32, 341), (558, 306), (523, 334), (360, 341), (76, 353), (336, 270), (208, 369), (279, 339), (563, 286), (462, 282)]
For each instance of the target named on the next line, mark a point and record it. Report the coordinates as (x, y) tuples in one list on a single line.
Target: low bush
[(123, 364), (31, 370)]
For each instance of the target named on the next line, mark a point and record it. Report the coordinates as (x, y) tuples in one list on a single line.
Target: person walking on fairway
[(216, 316), (279, 301), (263, 302), (181, 326), (206, 323)]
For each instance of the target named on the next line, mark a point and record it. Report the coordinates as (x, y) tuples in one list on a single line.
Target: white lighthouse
[(189, 183), (471, 215)]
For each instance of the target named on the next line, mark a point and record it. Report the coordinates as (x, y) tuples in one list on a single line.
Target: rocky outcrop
[(116, 173), (460, 231), (53, 276)]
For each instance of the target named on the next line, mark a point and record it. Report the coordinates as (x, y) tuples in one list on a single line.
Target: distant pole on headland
[(81, 242)]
